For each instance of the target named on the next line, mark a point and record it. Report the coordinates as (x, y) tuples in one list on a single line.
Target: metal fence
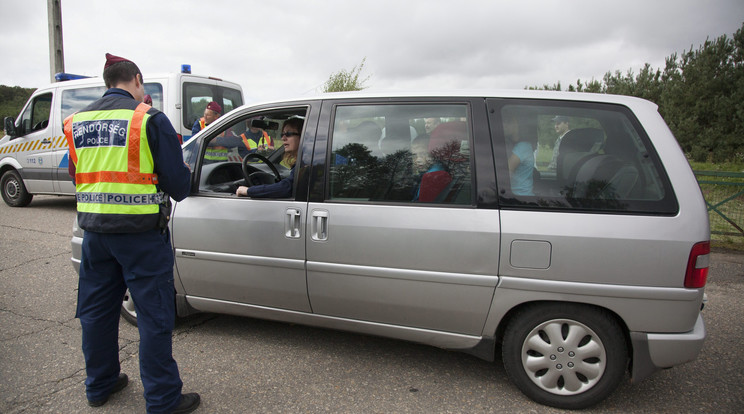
[(724, 195)]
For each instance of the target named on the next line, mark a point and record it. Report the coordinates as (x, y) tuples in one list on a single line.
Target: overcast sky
[(286, 48)]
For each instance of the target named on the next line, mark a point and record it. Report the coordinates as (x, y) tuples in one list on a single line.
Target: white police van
[(34, 154)]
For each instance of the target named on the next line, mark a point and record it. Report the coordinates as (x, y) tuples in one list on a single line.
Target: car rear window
[(576, 156)]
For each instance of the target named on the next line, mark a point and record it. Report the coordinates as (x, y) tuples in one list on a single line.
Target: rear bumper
[(655, 351)]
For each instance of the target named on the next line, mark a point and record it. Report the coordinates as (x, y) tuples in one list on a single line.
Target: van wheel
[(14, 192), (565, 355), (128, 312)]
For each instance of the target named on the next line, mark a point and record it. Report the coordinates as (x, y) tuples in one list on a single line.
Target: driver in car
[(283, 189)]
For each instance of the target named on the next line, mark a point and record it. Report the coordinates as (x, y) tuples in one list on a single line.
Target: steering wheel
[(254, 176)]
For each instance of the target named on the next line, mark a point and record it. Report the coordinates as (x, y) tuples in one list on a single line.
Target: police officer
[(216, 152), (211, 113), (256, 139), (127, 161)]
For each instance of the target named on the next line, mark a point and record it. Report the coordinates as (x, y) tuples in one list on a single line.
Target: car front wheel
[(565, 355), (14, 192)]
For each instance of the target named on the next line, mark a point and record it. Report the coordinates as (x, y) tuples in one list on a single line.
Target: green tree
[(700, 94), (545, 87), (702, 98), (12, 99), (344, 80)]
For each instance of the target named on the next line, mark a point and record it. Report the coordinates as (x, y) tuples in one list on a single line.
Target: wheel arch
[(10, 163), (516, 309)]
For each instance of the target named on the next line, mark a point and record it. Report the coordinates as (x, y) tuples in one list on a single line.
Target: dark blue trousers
[(142, 262)]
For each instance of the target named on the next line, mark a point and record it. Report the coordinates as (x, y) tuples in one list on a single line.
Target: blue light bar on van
[(61, 76), (185, 68)]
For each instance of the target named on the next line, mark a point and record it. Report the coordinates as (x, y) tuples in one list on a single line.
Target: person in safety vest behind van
[(216, 151), (211, 113), (256, 139), (127, 163)]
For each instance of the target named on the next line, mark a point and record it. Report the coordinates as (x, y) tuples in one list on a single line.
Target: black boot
[(189, 402)]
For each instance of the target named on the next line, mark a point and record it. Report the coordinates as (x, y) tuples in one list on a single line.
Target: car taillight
[(697, 265)]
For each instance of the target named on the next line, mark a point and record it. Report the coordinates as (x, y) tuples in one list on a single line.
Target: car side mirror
[(9, 126)]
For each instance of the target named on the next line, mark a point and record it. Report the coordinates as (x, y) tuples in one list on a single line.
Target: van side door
[(395, 235)]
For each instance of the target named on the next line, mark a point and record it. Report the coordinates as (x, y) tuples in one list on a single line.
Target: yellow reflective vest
[(252, 145), (115, 183)]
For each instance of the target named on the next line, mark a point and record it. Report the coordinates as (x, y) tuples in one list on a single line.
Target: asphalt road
[(241, 365)]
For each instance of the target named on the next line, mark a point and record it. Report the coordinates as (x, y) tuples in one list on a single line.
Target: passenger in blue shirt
[(283, 189), (521, 158)]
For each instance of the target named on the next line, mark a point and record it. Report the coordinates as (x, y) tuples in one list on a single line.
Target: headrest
[(447, 139), (582, 140)]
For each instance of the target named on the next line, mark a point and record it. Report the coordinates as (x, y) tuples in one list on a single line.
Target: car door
[(389, 242), (233, 250), (35, 147)]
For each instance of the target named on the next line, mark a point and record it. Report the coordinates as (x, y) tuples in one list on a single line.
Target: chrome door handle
[(319, 227), (292, 223)]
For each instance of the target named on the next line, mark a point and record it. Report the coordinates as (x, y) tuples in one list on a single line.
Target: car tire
[(14, 192), (565, 355), (128, 312)]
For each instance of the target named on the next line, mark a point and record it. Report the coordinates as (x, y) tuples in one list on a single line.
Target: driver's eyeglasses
[(290, 134)]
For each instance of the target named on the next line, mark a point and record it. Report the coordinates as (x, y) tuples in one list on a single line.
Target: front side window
[(36, 115), (401, 153), (258, 149), (590, 157)]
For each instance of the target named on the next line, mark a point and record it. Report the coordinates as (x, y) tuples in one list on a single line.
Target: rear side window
[(155, 90), (588, 157), (401, 154), (74, 100), (196, 96)]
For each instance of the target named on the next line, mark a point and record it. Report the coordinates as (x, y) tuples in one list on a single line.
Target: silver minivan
[(566, 227)]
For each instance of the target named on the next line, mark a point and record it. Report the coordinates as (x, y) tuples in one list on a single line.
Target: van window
[(74, 100), (401, 153), (36, 115), (155, 90), (580, 156), (196, 96)]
